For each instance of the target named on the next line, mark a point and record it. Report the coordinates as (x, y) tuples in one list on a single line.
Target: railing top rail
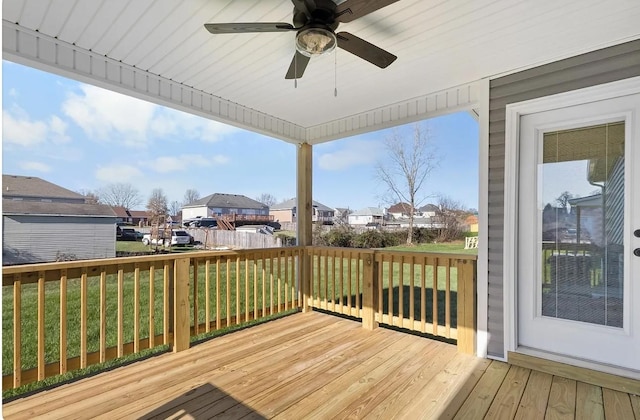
[(453, 256), (105, 262)]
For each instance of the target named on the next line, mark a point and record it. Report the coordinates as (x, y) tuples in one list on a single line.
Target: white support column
[(482, 288), (304, 213)]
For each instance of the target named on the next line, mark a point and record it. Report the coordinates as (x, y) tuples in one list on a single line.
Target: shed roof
[(368, 211), (41, 208), (34, 187)]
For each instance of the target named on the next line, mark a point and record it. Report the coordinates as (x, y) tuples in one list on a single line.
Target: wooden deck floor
[(319, 366)]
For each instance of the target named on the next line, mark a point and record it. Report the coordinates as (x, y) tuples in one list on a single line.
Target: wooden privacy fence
[(235, 239), (58, 317)]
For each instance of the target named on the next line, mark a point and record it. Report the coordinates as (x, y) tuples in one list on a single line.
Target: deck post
[(304, 218), (181, 319), (369, 291), (467, 324)]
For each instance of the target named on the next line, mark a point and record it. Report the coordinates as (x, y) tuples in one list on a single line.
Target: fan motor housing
[(323, 14)]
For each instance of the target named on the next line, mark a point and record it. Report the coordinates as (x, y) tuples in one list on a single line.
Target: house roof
[(41, 208), (289, 204), (120, 212), (34, 187), (140, 214), (429, 208), (400, 208), (234, 201), (161, 52), (369, 211)]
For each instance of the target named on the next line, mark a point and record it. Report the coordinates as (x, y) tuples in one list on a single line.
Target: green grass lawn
[(456, 247), (137, 246)]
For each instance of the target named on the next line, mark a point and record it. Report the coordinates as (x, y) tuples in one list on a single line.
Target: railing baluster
[(246, 288), (400, 291), (326, 280), (279, 276), (166, 280), (152, 306), (423, 295), (271, 285), (103, 314), (390, 291), (218, 309), (380, 287), (120, 311), (228, 282), (196, 320), (255, 286), (286, 280), (412, 306), (358, 288), (238, 290), (63, 321), (207, 295), (136, 308), (435, 295), (340, 262), (41, 325), (264, 283), (447, 299), (349, 280), (83, 319), (17, 330)]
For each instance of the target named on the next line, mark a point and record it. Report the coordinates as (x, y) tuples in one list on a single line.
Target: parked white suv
[(178, 237)]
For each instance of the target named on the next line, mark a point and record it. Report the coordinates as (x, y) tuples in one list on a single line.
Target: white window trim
[(512, 139)]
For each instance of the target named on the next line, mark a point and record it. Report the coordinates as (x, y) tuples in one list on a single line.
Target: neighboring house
[(471, 222), (232, 205), (428, 210), (44, 222), (285, 212), (367, 215), (341, 216), (399, 210), (132, 217)]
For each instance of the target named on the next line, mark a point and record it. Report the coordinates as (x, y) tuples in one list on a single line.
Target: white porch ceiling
[(158, 50)]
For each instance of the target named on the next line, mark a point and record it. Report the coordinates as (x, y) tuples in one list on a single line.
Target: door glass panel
[(581, 212)]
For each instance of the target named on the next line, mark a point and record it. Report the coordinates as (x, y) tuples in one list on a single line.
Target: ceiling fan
[(315, 22)]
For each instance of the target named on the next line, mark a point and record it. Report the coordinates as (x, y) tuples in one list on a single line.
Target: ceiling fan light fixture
[(315, 41)]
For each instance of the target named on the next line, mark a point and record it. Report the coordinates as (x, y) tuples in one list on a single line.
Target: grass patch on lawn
[(456, 247)]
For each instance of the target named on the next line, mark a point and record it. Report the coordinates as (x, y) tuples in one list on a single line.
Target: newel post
[(181, 307), (369, 291), (467, 324)]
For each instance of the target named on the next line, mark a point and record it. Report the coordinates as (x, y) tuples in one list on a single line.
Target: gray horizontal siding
[(29, 239), (591, 69)]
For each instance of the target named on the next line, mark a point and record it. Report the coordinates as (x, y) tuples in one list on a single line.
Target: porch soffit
[(160, 52)]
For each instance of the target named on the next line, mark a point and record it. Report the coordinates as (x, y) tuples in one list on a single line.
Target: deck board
[(317, 366)]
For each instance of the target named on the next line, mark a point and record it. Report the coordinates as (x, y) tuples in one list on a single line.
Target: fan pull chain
[(335, 74), (295, 71)]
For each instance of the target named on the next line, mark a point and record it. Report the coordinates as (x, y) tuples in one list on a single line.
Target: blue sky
[(82, 138)]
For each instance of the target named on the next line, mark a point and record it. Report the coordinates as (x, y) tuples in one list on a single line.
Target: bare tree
[(267, 199), (563, 199), (190, 196), (450, 216), (408, 163), (174, 208), (120, 195), (157, 204)]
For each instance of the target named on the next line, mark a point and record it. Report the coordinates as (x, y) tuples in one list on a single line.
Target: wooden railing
[(428, 293), (58, 317)]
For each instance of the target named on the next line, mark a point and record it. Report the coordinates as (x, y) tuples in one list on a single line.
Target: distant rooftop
[(228, 201), (34, 187)]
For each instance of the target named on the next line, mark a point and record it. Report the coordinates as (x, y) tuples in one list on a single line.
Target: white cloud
[(34, 166), (166, 164), (109, 116), (118, 173), (106, 115), (168, 123), (18, 128), (354, 153)]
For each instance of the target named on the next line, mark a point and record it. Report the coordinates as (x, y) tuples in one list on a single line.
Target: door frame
[(511, 182)]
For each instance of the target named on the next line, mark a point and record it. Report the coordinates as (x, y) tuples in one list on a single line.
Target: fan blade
[(297, 67), (237, 28), (365, 50), (353, 9), (305, 6)]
